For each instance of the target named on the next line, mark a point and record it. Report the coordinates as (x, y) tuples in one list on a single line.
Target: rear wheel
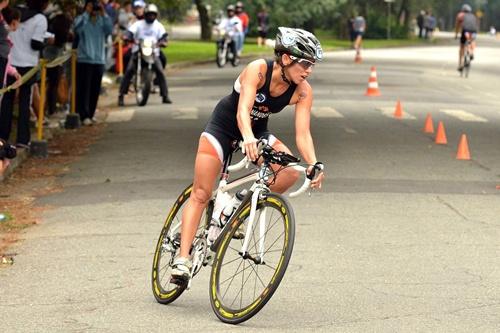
[(467, 60), (168, 247), (241, 284)]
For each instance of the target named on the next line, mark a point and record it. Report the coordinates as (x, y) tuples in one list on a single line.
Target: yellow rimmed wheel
[(167, 248), (242, 283)]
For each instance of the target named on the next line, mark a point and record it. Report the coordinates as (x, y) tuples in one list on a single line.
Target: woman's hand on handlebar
[(317, 175), (249, 148)]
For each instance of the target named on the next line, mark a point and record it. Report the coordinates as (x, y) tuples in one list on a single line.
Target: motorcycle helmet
[(151, 13), (299, 43)]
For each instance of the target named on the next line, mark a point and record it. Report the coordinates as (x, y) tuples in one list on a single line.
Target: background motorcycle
[(143, 78), (226, 49)]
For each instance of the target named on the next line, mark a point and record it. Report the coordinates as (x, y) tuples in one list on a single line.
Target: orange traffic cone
[(372, 84), (463, 149), (441, 134), (398, 113), (428, 126)]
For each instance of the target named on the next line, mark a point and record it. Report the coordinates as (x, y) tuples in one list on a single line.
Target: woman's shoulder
[(257, 66), (258, 63)]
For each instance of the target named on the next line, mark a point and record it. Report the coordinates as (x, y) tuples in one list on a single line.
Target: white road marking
[(389, 112), (187, 113), (350, 130), (326, 112), (120, 116), (464, 115)]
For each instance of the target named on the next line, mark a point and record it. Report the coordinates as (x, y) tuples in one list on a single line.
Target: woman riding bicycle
[(262, 88)]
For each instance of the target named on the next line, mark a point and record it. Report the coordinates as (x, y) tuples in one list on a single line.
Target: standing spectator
[(359, 28), (139, 6), (263, 25), (420, 23), (4, 44), (245, 20), (350, 30), (429, 25), (125, 17), (59, 25), (11, 19), (27, 41), (92, 27)]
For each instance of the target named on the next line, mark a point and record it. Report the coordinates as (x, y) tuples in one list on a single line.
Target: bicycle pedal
[(180, 281)]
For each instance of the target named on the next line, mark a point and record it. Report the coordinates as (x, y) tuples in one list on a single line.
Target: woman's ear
[(285, 59)]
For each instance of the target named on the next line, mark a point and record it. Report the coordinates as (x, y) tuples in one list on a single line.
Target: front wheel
[(241, 284), (221, 56), (143, 86)]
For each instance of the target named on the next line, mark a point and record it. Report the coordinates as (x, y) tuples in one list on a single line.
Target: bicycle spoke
[(232, 279)]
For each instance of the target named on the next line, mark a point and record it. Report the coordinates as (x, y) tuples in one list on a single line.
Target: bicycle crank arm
[(257, 260)]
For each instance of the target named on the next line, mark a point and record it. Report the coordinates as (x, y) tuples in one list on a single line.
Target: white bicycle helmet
[(466, 8), (299, 43)]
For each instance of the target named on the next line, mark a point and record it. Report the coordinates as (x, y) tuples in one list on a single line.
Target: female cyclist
[(262, 88)]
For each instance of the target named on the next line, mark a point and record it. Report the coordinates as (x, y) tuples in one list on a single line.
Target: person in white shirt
[(233, 26), (27, 42), (149, 28)]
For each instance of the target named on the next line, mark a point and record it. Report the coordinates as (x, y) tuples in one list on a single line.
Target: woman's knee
[(200, 195)]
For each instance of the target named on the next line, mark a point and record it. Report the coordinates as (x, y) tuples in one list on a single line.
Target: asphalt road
[(402, 238)]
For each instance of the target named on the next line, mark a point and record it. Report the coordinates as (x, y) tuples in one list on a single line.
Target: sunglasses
[(306, 64)]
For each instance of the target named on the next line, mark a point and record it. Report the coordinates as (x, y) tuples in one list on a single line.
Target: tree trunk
[(205, 23)]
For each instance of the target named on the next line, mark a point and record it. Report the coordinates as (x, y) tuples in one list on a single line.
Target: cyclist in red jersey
[(262, 88)]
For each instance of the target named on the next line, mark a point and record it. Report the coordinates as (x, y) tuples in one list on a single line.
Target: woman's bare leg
[(206, 169)]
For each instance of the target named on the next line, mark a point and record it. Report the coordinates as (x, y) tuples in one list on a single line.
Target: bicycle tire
[(220, 304), (162, 295)]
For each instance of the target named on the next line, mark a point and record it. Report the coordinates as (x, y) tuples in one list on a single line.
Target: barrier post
[(39, 147), (120, 57), (73, 119)]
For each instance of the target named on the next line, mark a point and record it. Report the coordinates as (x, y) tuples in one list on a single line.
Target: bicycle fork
[(262, 230)]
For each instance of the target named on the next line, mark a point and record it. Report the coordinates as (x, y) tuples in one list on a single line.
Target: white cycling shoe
[(181, 269)]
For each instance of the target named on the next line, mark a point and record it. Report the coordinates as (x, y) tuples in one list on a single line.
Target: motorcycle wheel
[(221, 57), (144, 87)]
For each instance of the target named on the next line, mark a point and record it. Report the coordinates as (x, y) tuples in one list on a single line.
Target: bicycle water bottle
[(233, 204), (222, 199)]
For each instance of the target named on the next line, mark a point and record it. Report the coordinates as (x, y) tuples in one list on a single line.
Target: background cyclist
[(466, 23), (262, 88)]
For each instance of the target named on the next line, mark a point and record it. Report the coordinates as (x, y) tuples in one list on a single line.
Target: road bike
[(251, 254), (467, 57)]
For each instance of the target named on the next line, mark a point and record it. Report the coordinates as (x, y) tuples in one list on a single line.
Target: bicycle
[(467, 57), (245, 254)]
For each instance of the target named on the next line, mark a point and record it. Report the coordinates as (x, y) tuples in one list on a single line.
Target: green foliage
[(173, 10)]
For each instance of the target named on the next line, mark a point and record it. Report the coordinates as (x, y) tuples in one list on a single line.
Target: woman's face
[(299, 69)]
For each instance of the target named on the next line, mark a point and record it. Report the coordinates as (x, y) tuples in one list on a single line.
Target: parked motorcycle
[(226, 49)]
